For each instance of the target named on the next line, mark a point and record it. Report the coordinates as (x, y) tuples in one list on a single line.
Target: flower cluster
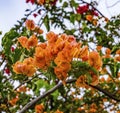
[(26, 67), (30, 25), (60, 49), (89, 12), (28, 42)]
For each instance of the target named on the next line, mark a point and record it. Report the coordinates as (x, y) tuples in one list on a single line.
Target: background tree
[(66, 62)]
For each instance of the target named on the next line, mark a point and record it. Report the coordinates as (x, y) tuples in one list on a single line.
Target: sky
[(13, 10)]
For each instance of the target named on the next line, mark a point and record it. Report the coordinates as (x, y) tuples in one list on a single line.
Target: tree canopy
[(64, 60)]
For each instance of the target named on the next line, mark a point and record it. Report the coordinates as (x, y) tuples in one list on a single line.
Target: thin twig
[(25, 82), (105, 92)]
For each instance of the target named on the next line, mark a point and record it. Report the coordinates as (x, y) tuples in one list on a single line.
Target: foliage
[(75, 68)]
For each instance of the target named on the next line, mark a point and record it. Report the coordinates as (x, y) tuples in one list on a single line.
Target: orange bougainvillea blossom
[(23, 40), (60, 49), (95, 60), (89, 17), (26, 67), (30, 24), (117, 57), (39, 108), (14, 101), (28, 42)]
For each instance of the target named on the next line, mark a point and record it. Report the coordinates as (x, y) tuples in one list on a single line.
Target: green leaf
[(41, 84), (41, 38), (72, 18), (78, 17), (55, 94), (74, 4), (15, 56), (46, 22), (65, 4)]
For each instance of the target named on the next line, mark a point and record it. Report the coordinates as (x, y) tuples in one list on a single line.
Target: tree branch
[(33, 102), (105, 92), (25, 82)]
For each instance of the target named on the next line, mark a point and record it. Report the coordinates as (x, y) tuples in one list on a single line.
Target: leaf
[(16, 55), (55, 94), (41, 38), (41, 84), (65, 4), (78, 17), (72, 18), (113, 70), (46, 22)]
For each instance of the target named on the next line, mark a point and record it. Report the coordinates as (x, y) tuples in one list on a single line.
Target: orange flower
[(24, 68), (71, 39), (95, 60), (14, 101), (19, 67), (94, 22), (51, 37), (22, 89), (89, 17), (30, 70), (95, 80), (32, 42), (80, 82), (65, 66), (61, 57), (39, 108), (49, 56), (39, 57), (62, 75), (83, 52), (40, 63), (38, 30), (106, 19), (30, 25), (99, 48), (59, 45), (23, 40), (28, 61), (118, 52), (58, 111), (108, 51), (63, 36), (75, 52), (64, 55), (42, 45), (39, 52), (93, 108), (80, 109), (40, 2), (117, 58)]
